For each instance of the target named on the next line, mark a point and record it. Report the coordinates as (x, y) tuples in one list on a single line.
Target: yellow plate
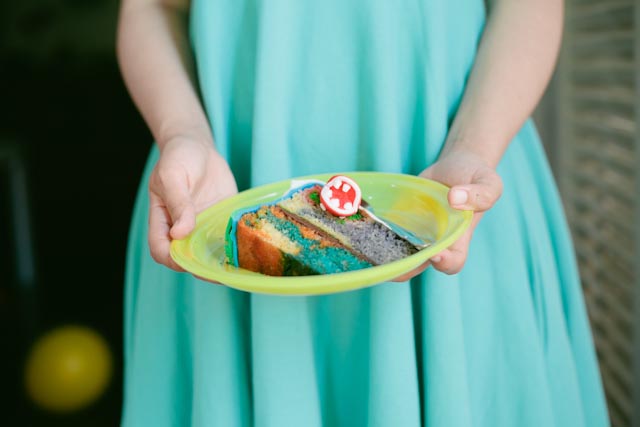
[(414, 203)]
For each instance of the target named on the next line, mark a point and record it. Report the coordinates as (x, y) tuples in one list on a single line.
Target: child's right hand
[(189, 177)]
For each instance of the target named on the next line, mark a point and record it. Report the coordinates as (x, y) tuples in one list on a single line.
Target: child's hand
[(189, 176), (474, 186)]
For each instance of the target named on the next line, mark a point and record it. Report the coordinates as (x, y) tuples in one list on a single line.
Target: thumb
[(184, 224), (177, 198), (480, 195)]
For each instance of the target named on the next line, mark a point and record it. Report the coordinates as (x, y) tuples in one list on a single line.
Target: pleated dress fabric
[(296, 87)]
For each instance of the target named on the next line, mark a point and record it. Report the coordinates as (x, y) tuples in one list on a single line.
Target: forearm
[(515, 60), (156, 63)]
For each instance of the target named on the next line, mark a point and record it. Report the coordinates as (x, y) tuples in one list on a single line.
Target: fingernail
[(436, 258), (459, 197)]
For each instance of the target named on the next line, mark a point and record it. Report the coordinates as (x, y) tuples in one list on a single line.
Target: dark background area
[(66, 116)]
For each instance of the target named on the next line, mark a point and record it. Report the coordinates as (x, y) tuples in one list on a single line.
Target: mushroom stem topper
[(341, 196)]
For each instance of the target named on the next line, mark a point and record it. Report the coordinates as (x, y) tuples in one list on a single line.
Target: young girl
[(266, 90)]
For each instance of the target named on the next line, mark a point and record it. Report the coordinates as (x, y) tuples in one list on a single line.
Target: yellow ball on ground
[(68, 368)]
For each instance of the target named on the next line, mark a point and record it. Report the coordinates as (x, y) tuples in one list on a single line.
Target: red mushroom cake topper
[(341, 196)]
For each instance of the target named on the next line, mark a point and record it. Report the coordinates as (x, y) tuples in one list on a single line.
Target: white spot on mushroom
[(346, 187), (348, 206)]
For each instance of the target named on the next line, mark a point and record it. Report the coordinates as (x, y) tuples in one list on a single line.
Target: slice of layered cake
[(315, 228)]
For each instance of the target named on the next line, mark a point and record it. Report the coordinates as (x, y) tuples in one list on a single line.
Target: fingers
[(480, 195), (207, 280), (452, 259), (412, 273), (449, 261), (159, 238)]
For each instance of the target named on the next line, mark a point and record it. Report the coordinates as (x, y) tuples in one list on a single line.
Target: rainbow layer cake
[(315, 228)]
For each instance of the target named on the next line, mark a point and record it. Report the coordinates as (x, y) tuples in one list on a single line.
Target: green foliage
[(315, 197)]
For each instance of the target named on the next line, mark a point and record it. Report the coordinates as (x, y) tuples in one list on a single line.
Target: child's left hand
[(475, 186)]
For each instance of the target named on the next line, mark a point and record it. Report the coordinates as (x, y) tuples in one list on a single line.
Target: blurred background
[(72, 148)]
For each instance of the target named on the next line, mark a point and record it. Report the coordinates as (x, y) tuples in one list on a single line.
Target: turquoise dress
[(287, 84)]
